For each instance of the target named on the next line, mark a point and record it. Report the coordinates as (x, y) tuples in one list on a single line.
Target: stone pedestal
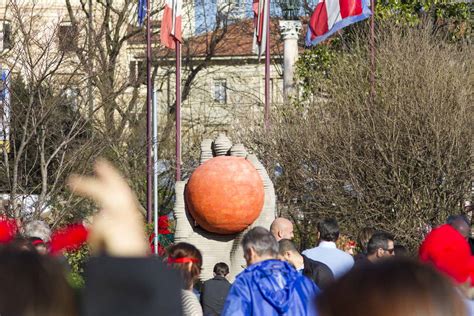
[(289, 31)]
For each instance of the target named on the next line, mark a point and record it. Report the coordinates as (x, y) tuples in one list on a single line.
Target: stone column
[(289, 31)]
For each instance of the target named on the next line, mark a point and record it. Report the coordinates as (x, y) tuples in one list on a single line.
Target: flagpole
[(149, 92), (178, 110), (267, 69), (155, 172)]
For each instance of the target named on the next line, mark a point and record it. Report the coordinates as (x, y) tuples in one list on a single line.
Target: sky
[(206, 11)]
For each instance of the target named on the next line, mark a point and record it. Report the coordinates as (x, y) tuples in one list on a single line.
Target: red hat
[(68, 239), (8, 229), (449, 252)]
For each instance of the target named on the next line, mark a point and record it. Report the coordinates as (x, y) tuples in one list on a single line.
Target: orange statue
[(225, 195)]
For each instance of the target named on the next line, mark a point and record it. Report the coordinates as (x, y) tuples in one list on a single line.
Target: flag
[(261, 19), (171, 24), (141, 11), (330, 16), (5, 109)]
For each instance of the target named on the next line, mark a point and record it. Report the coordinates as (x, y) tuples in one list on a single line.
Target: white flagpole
[(155, 170)]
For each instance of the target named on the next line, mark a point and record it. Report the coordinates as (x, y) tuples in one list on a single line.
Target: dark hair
[(261, 241), (221, 269), (31, 284), (364, 237), (378, 240), (328, 229), (397, 287), (452, 219), (21, 243), (285, 245), (185, 250)]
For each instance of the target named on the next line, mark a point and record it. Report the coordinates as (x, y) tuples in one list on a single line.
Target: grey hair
[(261, 241), (38, 229)]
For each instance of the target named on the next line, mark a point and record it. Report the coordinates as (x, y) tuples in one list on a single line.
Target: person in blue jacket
[(269, 286)]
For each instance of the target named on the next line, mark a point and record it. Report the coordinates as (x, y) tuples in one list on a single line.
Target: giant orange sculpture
[(225, 195)]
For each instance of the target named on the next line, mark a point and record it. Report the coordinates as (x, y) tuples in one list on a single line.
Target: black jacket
[(130, 287), (213, 295), (317, 271)]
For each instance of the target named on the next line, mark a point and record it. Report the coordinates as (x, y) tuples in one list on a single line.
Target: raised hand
[(118, 227)]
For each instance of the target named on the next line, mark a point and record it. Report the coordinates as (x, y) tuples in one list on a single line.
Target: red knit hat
[(447, 250)]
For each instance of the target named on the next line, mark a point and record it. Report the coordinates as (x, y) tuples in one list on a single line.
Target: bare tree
[(402, 162), (47, 130)]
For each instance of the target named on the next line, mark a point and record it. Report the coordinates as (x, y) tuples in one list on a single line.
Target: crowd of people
[(121, 278)]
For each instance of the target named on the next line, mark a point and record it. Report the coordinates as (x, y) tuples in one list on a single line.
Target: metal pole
[(155, 171), (267, 70), (178, 110), (372, 52), (149, 92)]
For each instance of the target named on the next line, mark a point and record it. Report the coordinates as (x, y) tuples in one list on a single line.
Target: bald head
[(282, 228)]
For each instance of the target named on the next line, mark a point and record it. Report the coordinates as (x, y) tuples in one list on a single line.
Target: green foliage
[(76, 260), (451, 20), (312, 65), (412, 11), (76, 281)]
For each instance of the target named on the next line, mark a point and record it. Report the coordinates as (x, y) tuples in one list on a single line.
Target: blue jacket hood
[(276, 281), (271, 288)]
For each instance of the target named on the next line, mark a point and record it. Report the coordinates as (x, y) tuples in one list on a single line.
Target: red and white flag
[(330, 16), (260, 14), (171, 24)]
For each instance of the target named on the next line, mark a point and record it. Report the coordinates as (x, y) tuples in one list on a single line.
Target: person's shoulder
[(214, 279), (343, 254), (362, 263), (307, 285), (359, 256), (225, 281), (348, 256), (315, 263), (207, 281), (309, 250), (218, 281), (191, 305), (188, 297), (243, 277)]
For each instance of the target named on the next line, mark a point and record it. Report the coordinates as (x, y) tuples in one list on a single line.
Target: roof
[(235, 41)]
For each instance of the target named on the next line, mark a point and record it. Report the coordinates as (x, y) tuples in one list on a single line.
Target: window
[(230, 9), (220, 91), (141, 72), (67, 35), (132, 72), (71, 96), (137, 72), (5, 36)]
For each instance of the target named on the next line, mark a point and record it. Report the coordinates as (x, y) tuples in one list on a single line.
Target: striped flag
[(5, 109), (141, 11), (171, 24), (260, 14), (330, 16)]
